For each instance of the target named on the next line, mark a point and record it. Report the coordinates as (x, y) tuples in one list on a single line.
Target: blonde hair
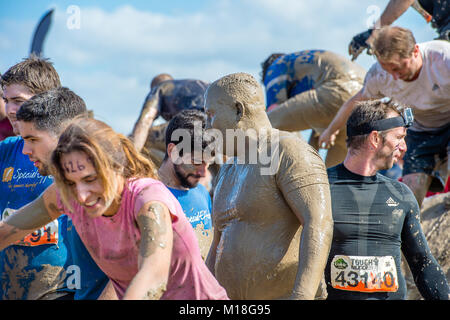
[(391, 40), (35, 73), (109, 152)]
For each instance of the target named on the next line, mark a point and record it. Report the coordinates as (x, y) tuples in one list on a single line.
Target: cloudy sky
[(108, 51)]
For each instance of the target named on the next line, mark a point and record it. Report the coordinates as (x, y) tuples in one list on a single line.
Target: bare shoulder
[(294, 148), (299, 163)]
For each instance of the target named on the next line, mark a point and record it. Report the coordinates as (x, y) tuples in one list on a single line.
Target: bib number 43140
[(364, 274)]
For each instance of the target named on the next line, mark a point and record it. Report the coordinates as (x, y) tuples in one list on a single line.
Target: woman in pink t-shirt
[(131, 224)]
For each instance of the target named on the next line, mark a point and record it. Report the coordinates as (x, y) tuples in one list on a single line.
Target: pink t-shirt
[(113, 244)]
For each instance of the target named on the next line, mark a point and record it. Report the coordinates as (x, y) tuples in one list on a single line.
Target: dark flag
[(40, 33)]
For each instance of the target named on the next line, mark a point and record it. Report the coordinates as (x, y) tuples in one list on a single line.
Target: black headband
[(379, 125)]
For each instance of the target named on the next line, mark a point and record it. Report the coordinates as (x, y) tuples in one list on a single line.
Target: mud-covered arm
[(303, 180), (30, 217), (326, 139), (155, 224), (108, 293), (149, 112), (393, 11), (428, 275)]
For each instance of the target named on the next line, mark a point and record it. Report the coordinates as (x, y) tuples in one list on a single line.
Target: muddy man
[(272, 230)]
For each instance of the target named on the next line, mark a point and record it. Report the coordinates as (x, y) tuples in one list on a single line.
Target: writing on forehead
[(72, 167)]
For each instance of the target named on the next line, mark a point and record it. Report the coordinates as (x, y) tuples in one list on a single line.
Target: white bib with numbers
[(45, 235), (364, 273)]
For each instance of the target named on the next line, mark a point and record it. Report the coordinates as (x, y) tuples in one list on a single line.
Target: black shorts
[(425, 149)]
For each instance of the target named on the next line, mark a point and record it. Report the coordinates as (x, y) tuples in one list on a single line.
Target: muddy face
[(234, 104), (218, 108)]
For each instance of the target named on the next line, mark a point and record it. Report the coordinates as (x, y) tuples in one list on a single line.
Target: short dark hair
[(267, 63), (368, 112), (49, 110), (35, 73), (188, 120)]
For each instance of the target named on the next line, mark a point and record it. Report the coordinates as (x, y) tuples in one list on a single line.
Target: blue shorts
[(425, 149)]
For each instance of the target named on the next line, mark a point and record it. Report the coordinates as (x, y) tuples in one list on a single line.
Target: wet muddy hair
[(109, 152), (35, 73), (267, 63), (369, 112)]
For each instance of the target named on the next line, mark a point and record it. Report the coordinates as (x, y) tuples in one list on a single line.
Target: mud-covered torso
[(257, 257), (258, 229)]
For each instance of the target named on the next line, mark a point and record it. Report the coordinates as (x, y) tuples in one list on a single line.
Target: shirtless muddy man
[(272, 232)]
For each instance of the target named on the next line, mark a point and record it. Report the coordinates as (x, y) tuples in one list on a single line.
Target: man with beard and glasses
[(183, 177), (377, 218)]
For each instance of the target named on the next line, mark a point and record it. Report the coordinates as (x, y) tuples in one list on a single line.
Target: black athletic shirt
[(376, 218), (440, 11)]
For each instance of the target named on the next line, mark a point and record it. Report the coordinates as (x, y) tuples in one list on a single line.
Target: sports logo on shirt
[(22, 177), (340, 264), (7, 174), (391, 202)]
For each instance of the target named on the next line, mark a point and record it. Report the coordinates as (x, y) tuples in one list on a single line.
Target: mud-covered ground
[(435, 220)]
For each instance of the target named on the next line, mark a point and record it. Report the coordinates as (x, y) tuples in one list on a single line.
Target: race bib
[(364, 274), (45, 235)]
